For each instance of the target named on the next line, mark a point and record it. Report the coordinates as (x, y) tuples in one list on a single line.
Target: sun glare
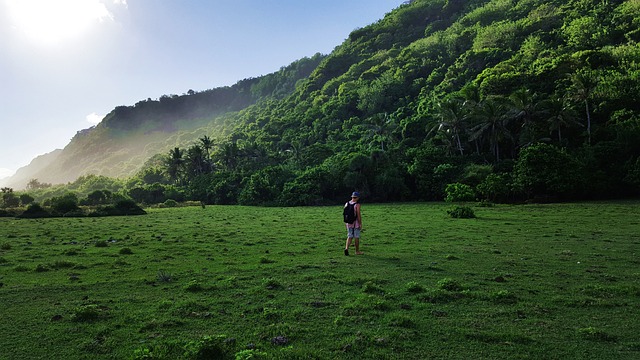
[(53, 21)]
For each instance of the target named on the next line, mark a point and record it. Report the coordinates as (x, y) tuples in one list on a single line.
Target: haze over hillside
[(68, 63), (516, 100)]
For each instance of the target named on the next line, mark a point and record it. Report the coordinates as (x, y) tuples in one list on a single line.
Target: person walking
[(355, 227)]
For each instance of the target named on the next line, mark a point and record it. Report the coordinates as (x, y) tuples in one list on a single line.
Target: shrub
[(42, 268), (371, 288), (461, 212), (101, 243), (403, 322), (458, 192), (449, 285), (543, 170), (164, 276), (26, 199), (74, 213), (125, 251), (88, 313), (193, 286), (65, 203), (250, 354), (264, 260), (414, 287), (34, 210), (504, 297), (209, 347), (6, 213), (271, 284), (496, 187), (121, 208), (170, 203), (128, 207)]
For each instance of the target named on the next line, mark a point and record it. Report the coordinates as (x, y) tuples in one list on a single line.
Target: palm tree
[(175, 163), (196, 161), (452, 119), (583, 85), (229, 155), (558, 114), (380, 128), (524, 109), (492, 125), (207, 144)]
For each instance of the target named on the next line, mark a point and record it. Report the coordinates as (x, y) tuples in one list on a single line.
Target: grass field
[(556, 281)]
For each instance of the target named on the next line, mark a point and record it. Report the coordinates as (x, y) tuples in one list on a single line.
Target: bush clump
[(34, 210), (170, 203), (120, 208), (449, 285), (210, 347), (461, 212), (88, 313), (459, 192)]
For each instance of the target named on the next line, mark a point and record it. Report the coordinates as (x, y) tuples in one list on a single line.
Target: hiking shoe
[(346, 252)]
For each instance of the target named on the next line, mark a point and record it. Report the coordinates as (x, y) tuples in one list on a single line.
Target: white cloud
[(5, 173), (94, 118), (120, 2)]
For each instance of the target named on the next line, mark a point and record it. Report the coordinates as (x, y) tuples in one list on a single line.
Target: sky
[(64, 64)]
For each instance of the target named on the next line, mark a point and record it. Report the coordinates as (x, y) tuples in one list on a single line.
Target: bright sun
[(52, 21)]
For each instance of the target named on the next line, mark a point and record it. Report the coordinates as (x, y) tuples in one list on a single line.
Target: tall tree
[(207, 145), (558, 115), (452, 120), (492, 125), (175, 164), (583, 85), (196, 162), (524, 108)]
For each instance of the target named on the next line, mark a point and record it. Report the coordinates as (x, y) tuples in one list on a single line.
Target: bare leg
[(357, 243), (347, 245)]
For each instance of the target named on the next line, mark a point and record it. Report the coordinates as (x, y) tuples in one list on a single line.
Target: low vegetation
[(231, 282)]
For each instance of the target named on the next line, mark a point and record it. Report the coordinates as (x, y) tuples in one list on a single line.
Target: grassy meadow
[(551, 281)]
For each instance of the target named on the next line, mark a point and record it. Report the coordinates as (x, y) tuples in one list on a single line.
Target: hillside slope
[(129, 135), (512, 99)]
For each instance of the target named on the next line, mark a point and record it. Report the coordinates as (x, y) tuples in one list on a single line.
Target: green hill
[(514, 99), (130, 135)]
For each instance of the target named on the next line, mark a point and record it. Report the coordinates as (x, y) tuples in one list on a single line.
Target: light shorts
[(353, 232)]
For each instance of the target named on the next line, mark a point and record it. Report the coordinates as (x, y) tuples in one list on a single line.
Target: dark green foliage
[(170, 203), (9, 198), (496, 187), (89, 313), (64, 204), (26, 199), (120, 208), (34, 210), (210, 347), (458, 192), (461, 212), (449, 284), (545, 171)]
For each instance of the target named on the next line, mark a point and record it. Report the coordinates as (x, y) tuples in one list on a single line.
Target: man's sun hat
[(355, 194)]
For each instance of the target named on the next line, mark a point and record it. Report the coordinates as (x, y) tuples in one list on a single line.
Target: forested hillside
[(505, 100), (129, 135)]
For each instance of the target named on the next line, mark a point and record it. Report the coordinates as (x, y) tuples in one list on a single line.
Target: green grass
[(556, 281)]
